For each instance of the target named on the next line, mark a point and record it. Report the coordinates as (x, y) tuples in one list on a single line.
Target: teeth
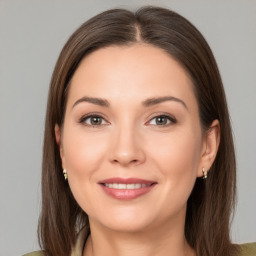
[(130, 186), (121, 186), (125, 186), (137, 185)]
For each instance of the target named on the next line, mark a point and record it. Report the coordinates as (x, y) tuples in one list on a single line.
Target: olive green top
[(248, 249)]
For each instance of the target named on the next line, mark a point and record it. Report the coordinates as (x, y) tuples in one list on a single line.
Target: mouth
[(126, 189), (125, 186)]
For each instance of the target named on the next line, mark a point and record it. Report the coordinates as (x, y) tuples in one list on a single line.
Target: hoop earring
[(205, 174), (65, 174)]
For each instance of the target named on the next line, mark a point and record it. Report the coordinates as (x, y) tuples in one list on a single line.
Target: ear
[(58, 138), (210, 147)]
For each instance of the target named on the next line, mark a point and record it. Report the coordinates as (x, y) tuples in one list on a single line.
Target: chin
[(127, 226), (124, 221)]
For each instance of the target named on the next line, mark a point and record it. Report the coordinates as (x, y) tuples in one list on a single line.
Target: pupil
[(161, 120), (96, 120)]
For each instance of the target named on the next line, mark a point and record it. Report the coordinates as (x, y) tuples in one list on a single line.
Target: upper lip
[(127, 181)]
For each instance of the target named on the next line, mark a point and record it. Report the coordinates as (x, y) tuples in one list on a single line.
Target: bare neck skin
[(162, 240)]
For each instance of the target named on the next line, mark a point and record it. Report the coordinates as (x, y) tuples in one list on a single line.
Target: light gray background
[(32, 33)]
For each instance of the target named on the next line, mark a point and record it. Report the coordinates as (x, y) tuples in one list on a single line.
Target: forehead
[(132, 72)]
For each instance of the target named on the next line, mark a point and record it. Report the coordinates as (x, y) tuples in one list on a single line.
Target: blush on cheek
[(83, 149), (80, 163), (179, 161)]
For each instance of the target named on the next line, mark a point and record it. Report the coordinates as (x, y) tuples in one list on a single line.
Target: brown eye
[(162, 120), (93, 120)]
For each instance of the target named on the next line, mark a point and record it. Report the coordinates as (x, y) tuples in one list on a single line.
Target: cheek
[(177, 157), (83, 156), (177, 149), (82, 151)]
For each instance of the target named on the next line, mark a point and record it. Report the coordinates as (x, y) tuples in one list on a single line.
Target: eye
[(93, 120), (162, 120)]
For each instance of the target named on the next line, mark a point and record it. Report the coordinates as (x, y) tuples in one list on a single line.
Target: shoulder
[(248, 249), (37, 253)]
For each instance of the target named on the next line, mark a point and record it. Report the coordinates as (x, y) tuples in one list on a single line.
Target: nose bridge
[(126, 145)]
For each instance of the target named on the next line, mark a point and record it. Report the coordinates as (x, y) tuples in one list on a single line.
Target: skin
[(129, 141)]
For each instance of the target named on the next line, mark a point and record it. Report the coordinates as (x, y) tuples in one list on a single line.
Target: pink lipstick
[(126, 189)]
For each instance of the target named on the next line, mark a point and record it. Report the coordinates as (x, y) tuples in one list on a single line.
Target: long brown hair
[(211, 203)]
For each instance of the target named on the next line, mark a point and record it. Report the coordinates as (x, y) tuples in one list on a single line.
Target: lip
[(127, 194)]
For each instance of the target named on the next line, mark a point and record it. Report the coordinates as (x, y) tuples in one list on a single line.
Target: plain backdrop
[(32, 33)]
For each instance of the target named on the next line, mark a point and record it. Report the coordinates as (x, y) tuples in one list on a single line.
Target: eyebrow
[(147, 103), (96, 101), (154, 101)]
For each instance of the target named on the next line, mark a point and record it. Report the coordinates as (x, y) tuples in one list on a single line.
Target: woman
[(138, 150)]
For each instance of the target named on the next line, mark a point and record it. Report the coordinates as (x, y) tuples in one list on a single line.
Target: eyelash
[(170, 118), (91, 115)]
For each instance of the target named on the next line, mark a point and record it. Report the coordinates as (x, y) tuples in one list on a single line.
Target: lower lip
[(127, 194)]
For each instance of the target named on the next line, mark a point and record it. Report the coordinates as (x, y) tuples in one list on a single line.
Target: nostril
[(125, 161)]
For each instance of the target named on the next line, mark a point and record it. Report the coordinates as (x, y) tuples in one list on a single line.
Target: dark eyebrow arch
[(147, 103), (154, 101), (96, 101)]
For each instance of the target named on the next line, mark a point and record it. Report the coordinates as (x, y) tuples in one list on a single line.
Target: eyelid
[(93, 114), (171, 118)]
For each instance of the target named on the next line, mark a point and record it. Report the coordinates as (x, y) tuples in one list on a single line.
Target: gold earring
[(205, 174), (65, 174)]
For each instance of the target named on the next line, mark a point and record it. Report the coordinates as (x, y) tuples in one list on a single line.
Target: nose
[(127, 148)]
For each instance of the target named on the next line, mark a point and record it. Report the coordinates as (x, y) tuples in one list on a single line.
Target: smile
[(125, 186), (126, 189)]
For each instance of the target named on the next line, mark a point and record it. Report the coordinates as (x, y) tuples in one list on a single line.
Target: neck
[(161, 241)]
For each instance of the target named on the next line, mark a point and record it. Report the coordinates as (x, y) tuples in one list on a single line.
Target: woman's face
[(131, 141)]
